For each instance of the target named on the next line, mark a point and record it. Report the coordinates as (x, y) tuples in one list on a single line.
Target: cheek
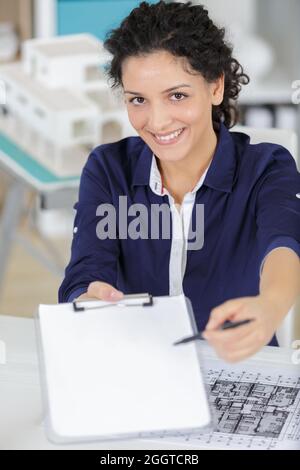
[(189, 115), (192, 115), (137, 118)]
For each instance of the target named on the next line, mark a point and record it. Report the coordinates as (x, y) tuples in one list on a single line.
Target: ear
[(217, 90)]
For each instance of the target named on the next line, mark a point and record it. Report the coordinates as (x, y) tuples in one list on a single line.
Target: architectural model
[(58, 104)]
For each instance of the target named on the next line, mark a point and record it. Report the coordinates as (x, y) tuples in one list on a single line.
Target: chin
[(170, 158)]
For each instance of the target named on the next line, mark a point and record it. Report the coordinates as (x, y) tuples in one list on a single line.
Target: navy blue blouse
[(251, 206)]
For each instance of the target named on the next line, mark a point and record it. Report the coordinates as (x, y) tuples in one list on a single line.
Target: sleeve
[(278, 207), (92, 258)]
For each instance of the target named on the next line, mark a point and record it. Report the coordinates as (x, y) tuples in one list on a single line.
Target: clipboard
[(113, 373)]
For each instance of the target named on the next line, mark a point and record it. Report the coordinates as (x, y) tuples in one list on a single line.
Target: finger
[(238, 351), (243, 353), (104, 291), (225, 311), (246, 342), (226, 341), (230, 335)]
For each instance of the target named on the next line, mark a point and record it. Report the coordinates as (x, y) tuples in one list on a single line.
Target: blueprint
[(253, 407)]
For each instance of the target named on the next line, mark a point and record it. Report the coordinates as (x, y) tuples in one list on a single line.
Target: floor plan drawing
[(253, 407)]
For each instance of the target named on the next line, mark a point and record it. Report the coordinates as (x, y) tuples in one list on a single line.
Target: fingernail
[(116, 295)]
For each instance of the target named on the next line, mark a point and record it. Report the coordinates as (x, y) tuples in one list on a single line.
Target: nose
[(159, 119)]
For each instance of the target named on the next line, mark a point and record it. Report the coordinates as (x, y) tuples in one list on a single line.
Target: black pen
[(226, 325)]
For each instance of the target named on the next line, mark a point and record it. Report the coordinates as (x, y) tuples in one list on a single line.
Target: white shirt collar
[(155, 181)]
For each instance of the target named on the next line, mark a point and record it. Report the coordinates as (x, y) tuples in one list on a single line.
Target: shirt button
[(298, 195), (75, 230)]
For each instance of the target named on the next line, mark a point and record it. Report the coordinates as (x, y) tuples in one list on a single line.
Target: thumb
[(223, 312), (104, 291)]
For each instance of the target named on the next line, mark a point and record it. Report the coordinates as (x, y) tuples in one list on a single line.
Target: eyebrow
[(165, 91)]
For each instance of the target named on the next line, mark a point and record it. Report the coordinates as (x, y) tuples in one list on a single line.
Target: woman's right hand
[(103, 291)]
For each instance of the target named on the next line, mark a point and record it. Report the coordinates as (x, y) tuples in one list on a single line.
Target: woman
[(179, 82)]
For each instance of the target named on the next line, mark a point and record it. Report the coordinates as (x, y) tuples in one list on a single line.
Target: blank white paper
[(115, 370)]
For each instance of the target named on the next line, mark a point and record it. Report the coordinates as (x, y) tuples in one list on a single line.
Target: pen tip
[(178, 342)]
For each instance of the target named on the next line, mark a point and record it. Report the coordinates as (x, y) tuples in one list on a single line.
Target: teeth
[(170, 136)]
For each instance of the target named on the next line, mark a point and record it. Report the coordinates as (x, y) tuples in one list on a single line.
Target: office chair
[(289, 140)]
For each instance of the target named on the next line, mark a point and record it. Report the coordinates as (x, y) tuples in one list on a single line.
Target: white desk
[(20, 401)]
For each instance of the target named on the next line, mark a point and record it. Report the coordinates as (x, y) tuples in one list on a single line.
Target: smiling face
[(169, 108)]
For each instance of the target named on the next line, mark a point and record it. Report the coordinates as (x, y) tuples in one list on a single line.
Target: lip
[(172, 142)]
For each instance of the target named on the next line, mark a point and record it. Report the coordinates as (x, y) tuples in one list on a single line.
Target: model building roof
[(58, 99)]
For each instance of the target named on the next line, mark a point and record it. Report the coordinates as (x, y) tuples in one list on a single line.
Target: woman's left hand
[(236, 344)]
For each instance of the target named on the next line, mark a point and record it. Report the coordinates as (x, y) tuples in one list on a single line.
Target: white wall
[(229, 13)]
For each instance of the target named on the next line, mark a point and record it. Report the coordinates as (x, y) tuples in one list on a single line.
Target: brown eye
[(179, 96), (136, 98)]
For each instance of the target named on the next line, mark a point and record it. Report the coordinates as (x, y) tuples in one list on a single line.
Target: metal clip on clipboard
[(130, 300)]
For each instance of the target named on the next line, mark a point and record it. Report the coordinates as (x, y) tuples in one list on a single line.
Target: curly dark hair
[(185, 30)]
